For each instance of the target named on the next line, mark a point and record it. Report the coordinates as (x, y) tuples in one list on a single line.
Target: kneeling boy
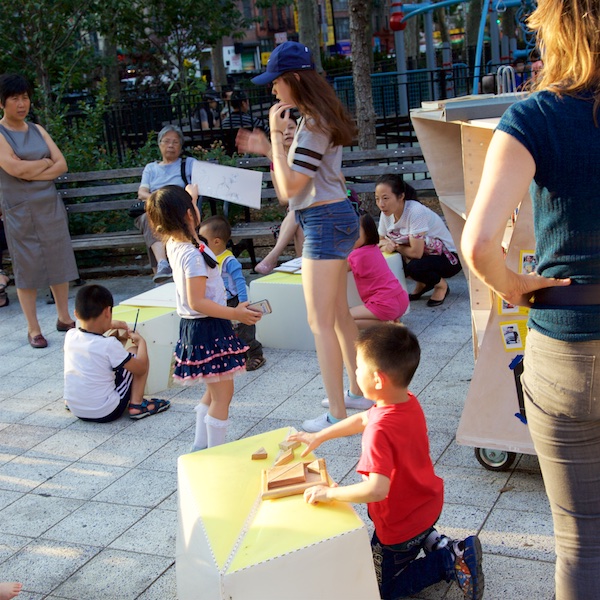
[(403, 493), (102, 379)]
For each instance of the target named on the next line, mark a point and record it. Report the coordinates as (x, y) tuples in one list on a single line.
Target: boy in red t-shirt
[(403, 493)]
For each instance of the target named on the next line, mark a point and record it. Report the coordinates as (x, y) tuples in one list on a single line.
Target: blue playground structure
[(503, 49)]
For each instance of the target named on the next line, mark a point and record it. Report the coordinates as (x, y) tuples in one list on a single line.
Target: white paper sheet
[(240, 186)]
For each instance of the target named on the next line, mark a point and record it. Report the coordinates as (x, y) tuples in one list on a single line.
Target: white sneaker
[(163, 272), (361, 402), (316, 424)]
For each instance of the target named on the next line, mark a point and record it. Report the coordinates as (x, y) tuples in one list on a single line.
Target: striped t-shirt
[(311, 153)]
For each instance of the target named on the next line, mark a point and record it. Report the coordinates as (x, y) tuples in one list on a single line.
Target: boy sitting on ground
[(102, 379), (216, 230), (400, 487)]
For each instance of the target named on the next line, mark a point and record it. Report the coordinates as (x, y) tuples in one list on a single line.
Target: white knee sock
[(201, 437), (216, 430)]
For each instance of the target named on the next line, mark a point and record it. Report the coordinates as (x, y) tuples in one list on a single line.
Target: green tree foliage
[(48, 41)]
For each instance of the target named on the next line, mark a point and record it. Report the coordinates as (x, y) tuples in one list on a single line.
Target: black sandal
[(256, 362)]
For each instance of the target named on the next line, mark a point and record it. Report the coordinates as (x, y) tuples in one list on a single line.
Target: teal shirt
[(561, 136)]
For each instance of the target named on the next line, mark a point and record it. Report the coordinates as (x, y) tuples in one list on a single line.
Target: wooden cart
[(454, 138)]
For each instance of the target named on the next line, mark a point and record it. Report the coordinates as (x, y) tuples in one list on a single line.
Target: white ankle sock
[(216, 430), (201, 437)]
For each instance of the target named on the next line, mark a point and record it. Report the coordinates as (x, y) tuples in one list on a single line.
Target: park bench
[(113, 191)]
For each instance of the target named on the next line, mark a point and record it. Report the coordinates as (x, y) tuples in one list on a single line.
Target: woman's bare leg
[(27, 298), (347, 332), (287, 233), (321, 280), (60, 292)]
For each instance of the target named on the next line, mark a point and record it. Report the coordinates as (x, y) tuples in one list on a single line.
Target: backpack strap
[(183, 173)]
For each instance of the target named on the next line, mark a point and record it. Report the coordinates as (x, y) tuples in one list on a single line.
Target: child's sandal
[(159, 406)]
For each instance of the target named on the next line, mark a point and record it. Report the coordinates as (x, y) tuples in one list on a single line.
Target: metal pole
[(447, 69), (495, 38), (479, 50), (401, 68)]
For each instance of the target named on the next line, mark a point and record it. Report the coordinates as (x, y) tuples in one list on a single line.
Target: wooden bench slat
[(360, 167), (102, 190)]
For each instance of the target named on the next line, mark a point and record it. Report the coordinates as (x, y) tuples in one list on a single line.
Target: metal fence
[(128, 124)]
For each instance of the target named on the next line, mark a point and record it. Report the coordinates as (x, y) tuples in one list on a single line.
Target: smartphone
[(262, 306)]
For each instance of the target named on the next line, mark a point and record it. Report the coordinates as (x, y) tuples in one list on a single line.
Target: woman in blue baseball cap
[(309, 179)]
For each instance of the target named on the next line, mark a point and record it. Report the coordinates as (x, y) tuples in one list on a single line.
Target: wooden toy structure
[(454, 138), (289, 480)]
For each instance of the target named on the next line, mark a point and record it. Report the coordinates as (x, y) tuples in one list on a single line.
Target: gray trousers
[(561, 384)]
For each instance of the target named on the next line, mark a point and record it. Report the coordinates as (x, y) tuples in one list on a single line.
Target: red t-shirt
[(395, 444)]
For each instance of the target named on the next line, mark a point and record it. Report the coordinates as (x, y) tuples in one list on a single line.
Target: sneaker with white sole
[(317, 424), (163, 272), (351, 401), (467, 568)]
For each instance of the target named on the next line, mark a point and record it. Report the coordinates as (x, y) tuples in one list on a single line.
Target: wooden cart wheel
[(495, 460)]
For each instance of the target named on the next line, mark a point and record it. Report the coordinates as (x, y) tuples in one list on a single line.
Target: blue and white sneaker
[(467, 567)]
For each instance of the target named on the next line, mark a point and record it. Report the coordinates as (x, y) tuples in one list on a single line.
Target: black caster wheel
[(495, 460)]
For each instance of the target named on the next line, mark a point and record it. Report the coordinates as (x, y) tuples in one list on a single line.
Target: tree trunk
[(218, 66), (411, 42), (308, 29), (440, 13), (111, 69), (360, 14), (472, 30)]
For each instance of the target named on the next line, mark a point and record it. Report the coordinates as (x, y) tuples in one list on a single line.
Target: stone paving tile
[(114, 574), (96, 524), (81, 480), (123, 450), (164, 588), (42, 565), (26, 472), (18, 438), (32, 514), (139, 487), (70, 444), (155, 533)]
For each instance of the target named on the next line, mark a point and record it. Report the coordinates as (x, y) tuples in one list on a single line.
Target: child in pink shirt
[(384, 299)]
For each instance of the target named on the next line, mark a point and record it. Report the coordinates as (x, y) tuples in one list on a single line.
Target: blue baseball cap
[(289, 56)]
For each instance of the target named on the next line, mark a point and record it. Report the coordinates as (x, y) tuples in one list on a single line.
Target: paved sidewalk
[(89, 511)]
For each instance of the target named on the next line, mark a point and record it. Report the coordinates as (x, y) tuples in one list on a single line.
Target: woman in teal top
[(552, 137)]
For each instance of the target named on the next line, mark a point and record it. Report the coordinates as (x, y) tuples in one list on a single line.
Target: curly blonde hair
[(568, 36)]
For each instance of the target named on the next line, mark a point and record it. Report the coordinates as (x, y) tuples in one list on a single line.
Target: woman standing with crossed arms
[(309, 179)]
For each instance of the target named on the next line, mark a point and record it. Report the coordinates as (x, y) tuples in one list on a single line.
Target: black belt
[(570, 295)]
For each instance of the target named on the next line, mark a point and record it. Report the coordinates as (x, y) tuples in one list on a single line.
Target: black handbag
[(138, 208)]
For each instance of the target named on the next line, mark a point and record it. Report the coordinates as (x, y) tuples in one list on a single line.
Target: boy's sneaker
[(467, 568), (317, 424), (352, 401), (163, 272)]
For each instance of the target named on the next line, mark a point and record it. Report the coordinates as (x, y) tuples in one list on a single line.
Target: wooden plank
[(86, 207), (101, 190), (100, 175), (320, 478)]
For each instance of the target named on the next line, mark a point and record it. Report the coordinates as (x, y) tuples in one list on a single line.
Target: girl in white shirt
[(208, 350)]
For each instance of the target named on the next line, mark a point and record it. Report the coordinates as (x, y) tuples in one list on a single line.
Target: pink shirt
[(377, 286)]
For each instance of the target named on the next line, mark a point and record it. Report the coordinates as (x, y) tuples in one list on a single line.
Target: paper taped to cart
[(240, 186)]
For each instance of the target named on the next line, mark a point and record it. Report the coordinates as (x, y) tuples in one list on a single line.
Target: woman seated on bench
[(171, 170)]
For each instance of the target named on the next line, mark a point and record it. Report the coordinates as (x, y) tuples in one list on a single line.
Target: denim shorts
[(330, 230)]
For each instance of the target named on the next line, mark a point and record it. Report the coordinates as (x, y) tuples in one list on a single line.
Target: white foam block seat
[(159, 326), (232, 544), (287, 326)]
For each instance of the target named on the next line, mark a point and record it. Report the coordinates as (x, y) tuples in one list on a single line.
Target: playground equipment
[(501, 49)]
